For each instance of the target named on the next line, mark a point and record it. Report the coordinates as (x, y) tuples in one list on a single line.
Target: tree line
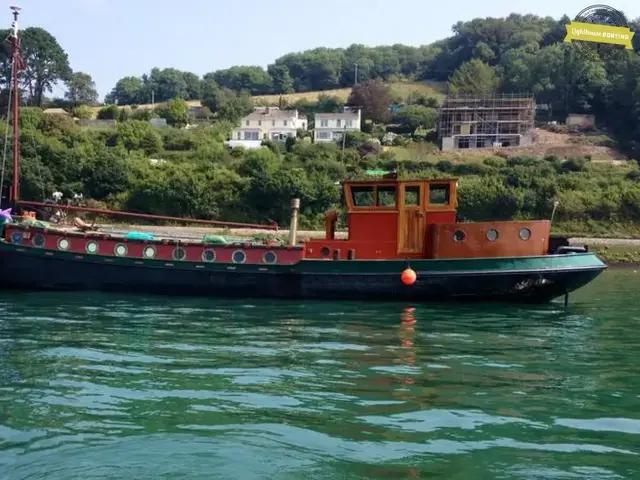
[(190, 173), (518, 53), (195, 175)]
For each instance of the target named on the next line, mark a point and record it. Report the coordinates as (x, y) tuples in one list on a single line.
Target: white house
[(266, 123), (329, 127)]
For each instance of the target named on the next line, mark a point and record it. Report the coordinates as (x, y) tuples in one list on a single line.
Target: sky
[(110, 39)]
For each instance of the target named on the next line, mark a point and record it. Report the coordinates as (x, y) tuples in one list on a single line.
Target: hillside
[(399, 89), (598, 147)]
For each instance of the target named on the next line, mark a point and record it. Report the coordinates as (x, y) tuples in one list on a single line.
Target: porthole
[(492, 235), (524, 234), (149, 252), (16, 237), (38, 241), (325, 252), (209, 255), (63, 244), (179, 253), (459, 236), (270, 257), (92, 247), (239, 256), (120, 250)]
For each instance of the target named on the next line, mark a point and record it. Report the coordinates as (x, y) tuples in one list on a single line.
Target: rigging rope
[(6, 140)]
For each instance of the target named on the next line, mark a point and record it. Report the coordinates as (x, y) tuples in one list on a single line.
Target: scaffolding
[(467, 121)]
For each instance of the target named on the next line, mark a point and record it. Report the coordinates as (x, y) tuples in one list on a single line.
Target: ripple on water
[(137, 387)]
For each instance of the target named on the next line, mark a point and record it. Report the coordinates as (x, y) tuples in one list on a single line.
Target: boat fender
[(408, 276)]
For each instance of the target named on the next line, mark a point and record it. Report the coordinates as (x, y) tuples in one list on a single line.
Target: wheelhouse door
[(411, 219)]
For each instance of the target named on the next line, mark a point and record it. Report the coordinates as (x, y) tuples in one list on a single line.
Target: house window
[(303, 126), (338, 123), (273, 123), (239, 135), (324, 123), (439, 194), (247, 123), (284, 123), (252, 135), (259, 123), (323, 135), (349, 123)]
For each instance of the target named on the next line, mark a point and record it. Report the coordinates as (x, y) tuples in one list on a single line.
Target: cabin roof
[(394, 181)]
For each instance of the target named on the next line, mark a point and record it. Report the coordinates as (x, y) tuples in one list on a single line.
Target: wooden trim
[(411, 220), (453, 196)]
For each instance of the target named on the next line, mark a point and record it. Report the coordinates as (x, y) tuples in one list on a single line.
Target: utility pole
[(356, 75), (153, 99)]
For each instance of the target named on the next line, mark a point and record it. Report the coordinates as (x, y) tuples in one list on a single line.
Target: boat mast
[(17, 64)]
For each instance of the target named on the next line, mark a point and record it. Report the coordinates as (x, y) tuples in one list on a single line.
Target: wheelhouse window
[(363, 196), (386, 197), (412, 196), (439, 194)]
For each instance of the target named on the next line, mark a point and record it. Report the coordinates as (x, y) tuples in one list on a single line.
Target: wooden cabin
[(390, 218)]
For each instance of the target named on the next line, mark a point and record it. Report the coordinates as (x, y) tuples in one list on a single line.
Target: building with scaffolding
[(505, 120)]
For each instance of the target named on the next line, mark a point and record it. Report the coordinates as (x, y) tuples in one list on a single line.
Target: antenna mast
[(17, 64)]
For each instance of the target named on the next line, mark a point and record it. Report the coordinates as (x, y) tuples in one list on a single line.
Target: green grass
[(401, 89), (617, 254)]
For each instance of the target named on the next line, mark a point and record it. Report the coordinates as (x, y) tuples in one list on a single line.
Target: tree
[(474, 78), (210, 90), (47, 63), (138, 135), (415, 116), (374, 97), (106, 174), (281, 80), (166, 84), (419, 98), (81, 89), (329, 104), (194, 85), (250, 78), (110, 112), (225, 103), (176, 112), (83, 112), (232, 106), (129, 91)]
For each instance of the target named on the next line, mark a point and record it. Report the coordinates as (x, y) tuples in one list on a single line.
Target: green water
[(102, 387)]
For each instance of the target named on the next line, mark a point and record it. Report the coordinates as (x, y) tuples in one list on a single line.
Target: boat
[(405, 242)]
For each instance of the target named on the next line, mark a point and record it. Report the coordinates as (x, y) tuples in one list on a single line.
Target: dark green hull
[(525, 279)]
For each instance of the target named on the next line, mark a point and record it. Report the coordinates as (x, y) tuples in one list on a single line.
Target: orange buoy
[(408, 276)]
